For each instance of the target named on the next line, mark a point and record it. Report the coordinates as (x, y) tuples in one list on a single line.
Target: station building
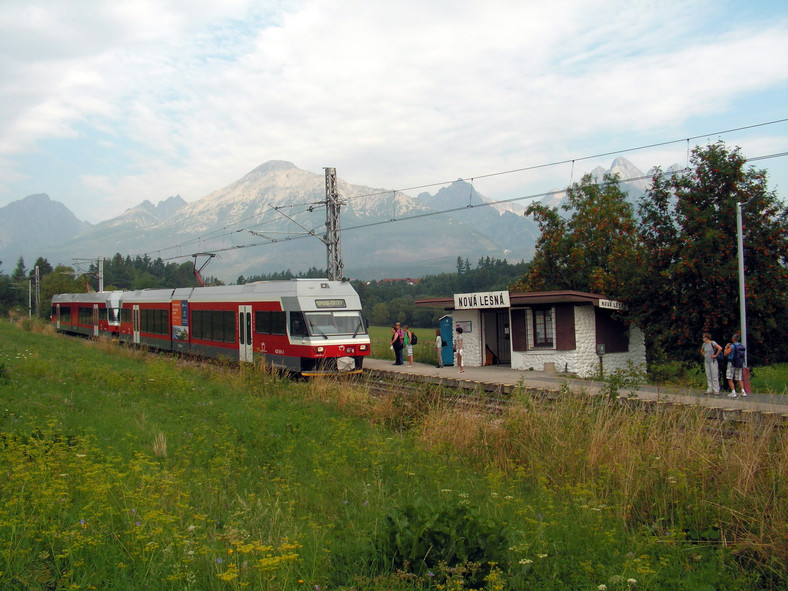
[(561, 331)]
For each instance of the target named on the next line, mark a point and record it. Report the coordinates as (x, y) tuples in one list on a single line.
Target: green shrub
[(431, 541)]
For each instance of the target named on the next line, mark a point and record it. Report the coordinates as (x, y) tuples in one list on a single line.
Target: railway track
[(495, 398)]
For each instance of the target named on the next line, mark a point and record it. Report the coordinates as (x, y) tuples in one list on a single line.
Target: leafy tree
[(595, 249), (7, 295), (689, 282), (61, 280), (398, 296), (380, 314), (145, 280), (44, 268), (20, 273)]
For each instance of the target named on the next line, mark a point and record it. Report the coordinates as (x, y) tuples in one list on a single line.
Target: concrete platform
[(503, 379)]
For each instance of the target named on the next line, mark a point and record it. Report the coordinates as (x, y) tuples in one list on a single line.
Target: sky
[(104, 104)]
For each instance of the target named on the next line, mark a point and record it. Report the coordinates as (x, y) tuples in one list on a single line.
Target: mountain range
[(273, 219)]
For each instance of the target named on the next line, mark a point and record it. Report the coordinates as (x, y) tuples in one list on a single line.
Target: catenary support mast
[(333, 238)]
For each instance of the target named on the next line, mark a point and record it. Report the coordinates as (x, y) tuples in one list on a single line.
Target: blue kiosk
[(447, 334)]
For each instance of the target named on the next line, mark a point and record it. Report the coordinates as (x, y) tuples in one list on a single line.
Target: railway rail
[(496, 397)]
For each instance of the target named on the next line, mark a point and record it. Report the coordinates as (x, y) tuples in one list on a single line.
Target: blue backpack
[(736, 356)]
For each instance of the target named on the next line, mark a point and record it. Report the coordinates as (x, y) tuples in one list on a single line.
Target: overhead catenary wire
[(309, 206), (463, 208), (450, 210), (573, 160)]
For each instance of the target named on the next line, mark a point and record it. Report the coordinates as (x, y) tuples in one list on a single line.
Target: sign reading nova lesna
[(485, 299)]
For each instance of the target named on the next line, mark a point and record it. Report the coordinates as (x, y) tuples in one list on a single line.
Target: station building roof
[(527, 299)]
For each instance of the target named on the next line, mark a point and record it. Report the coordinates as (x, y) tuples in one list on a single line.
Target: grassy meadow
[(121, 469), (423, 351)]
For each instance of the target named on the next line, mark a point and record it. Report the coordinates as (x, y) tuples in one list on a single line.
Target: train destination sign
[(485, 299), (333, 303)]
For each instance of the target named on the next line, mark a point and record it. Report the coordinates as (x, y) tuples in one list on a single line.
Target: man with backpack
[(734, 353)]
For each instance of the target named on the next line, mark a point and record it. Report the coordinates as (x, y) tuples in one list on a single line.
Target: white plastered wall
[(471, 341), (583, 360)]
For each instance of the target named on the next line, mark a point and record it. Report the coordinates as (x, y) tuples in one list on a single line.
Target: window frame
[(543, 320)]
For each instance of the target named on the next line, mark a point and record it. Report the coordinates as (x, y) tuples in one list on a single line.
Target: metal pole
[(742, 293), (38, 292), (333, 234)]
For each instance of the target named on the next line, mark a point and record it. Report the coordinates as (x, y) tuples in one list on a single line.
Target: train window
[(198, 324), (85, 315), (65, 314), (270, 322), (125, 315), (298, 325), (228, 321), (278, 323), (154, 321), (213, 325), (217, 326), (335, 323), (262, 322)]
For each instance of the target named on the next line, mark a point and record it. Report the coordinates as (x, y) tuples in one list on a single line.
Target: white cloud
[(191, 96)]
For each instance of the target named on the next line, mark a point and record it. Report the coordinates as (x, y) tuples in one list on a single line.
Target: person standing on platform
[(734, 351), (710, 351), (397, 343), (408, 344), (458, 348), (439, 347)]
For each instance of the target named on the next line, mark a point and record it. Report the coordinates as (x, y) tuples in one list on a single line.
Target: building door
[(245, 346), (497, 340), (504, 336)]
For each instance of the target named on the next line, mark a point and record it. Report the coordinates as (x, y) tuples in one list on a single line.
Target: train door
[(95, 320), (57, 316), (135, 324), (245, 346)]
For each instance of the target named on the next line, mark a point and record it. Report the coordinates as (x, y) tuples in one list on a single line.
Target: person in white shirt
[(710, 351)]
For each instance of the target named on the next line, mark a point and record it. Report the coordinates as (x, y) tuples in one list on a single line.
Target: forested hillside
[(392, 300)]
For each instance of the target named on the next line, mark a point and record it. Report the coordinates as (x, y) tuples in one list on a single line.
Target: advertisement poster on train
[(180, 320)]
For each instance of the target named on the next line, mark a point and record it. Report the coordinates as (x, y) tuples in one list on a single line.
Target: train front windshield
[(335, 323)]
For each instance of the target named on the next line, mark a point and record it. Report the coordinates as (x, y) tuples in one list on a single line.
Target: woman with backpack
[(409, 342)]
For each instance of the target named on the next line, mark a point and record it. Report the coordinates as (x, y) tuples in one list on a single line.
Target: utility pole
[(101, 273), (333, 238), (38, 292), (742, 291)]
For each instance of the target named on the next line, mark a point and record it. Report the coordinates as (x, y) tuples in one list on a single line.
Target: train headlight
[(320, 350), (363, 347)]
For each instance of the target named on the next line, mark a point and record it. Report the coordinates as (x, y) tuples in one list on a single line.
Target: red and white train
[(307, 326)]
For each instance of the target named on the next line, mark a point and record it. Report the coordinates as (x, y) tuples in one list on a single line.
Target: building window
[(543, 328)]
